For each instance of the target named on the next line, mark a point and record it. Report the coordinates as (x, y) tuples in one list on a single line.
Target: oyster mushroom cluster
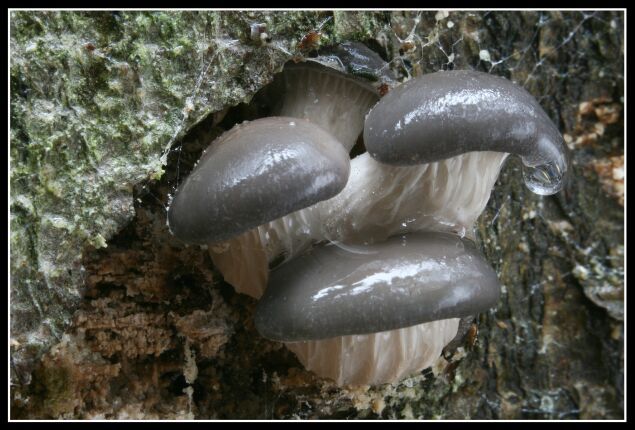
[(376, 261)]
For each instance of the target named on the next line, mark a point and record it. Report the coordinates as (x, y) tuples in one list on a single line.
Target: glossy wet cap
[(254, 173), (360, 60), (405, 281), (444, 114)]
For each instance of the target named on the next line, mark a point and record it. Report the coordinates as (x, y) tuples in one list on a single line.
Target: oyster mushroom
[(380, 314), (444, 114), (265, 169), (380, 200), (404, 281), (254, 173)]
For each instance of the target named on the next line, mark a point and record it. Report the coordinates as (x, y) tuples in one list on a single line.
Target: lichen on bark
[(111, 317)]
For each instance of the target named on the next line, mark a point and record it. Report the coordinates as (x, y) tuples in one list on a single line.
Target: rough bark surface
[(113, 318)]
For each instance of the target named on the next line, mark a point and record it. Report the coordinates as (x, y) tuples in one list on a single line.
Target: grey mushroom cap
[(405, 281), (444, 114), (359, 60), (254, 173)]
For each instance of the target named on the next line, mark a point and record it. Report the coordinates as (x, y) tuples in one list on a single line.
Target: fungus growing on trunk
[(254, 173), (466, 131), (404, 281), (444, 114)]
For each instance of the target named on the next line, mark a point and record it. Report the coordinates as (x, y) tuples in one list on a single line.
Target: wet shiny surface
[(254, 173), (404, 281), (444, 114), (359, 60)]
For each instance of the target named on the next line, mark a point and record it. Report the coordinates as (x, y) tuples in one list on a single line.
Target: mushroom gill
[(376, 358), (322, 91), (326, 97)]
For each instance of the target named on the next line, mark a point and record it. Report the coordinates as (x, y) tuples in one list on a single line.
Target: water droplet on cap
[(544, 179)]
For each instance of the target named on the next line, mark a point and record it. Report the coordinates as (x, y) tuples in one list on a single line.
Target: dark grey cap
[(359, 60), (254, 173), (402, 282), (444, 114)]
